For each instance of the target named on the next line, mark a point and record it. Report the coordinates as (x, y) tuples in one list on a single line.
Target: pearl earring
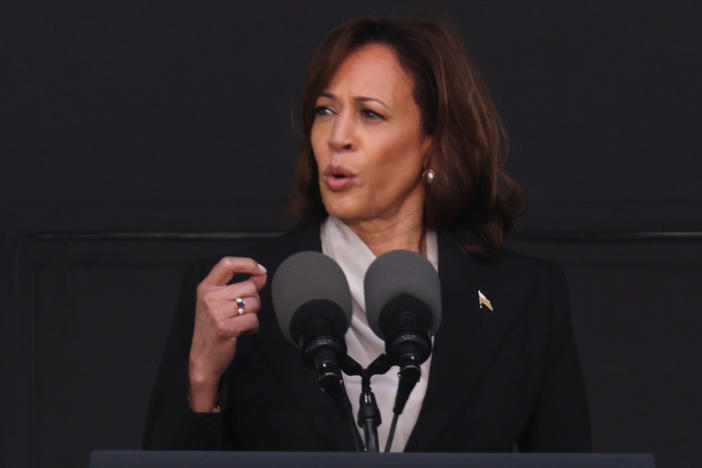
[(428, 176)]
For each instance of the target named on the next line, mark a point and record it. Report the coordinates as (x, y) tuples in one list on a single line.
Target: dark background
[(138, 135)]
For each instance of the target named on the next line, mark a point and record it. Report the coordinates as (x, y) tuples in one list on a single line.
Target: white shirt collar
[(342, 244)]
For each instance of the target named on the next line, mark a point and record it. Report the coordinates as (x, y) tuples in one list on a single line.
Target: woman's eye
[(322, 110), (372, 114)]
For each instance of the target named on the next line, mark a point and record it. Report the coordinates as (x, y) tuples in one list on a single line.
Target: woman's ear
[(427, 145)]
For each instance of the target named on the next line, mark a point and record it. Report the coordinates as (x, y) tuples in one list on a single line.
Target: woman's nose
[(341, 138)]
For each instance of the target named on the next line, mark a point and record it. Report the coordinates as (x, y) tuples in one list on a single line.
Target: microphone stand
[(368, 413), (321, 353)]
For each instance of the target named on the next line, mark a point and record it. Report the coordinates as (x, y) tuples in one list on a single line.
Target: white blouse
[(348, 250)]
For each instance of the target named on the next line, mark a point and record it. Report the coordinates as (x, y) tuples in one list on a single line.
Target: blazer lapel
[(285, 359), (468, 337)]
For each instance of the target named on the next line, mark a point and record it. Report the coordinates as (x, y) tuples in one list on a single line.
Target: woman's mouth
[(338, 178)]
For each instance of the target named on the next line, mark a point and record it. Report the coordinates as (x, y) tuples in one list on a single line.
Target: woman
[(402, 149)]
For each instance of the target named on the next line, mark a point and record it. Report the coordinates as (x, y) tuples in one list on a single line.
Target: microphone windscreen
[(314, 280), (400, 279)]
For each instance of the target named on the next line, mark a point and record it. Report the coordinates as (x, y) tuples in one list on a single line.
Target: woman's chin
[(344, 211), (344, 215)]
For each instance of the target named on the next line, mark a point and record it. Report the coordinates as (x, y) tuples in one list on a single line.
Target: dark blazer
[(498, 378)]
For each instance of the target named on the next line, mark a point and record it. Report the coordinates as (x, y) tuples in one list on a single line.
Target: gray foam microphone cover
[(401, 272), (307, 276)]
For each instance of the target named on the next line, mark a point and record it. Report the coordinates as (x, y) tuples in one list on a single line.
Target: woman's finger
[(237, 325), (259, 280), (235, 307), (234, 290), (225, 269)]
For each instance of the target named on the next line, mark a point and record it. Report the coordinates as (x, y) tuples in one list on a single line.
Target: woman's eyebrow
[(357, 99), (366, 99)]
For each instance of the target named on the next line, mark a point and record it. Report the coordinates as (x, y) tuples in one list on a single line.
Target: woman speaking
[(402, 149)]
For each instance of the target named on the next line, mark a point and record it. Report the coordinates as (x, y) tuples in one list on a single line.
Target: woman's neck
[(384, 235)]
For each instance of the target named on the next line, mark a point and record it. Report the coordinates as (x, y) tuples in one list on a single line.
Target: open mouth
[(338, 172), (338, 178)]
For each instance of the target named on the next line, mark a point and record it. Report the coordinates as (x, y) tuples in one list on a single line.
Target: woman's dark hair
[(471, 195)]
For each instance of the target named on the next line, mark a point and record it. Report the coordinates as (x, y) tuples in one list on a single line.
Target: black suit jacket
[(498, 378)]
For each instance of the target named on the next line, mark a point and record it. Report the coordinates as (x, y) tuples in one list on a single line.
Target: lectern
[(176, 459)]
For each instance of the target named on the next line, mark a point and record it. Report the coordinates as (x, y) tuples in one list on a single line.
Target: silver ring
[(241, 306)]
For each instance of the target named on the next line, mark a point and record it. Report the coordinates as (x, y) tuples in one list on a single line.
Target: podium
[(185, 459)]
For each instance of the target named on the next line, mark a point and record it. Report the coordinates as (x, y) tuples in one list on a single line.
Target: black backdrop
[(138, 135)]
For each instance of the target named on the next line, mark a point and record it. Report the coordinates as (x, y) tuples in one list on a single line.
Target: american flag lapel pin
[(484, 301)]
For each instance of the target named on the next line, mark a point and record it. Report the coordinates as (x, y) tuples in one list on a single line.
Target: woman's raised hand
[(219, 320)]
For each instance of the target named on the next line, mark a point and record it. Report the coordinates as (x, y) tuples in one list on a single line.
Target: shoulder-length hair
[(470, 195)]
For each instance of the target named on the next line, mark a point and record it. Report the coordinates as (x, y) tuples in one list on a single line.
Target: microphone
[(312, 302), (403, 307)]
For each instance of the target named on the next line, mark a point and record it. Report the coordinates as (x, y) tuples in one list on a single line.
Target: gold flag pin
[(484, 301)]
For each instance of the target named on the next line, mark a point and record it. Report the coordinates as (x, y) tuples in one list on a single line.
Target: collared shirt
[(348, 250)]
